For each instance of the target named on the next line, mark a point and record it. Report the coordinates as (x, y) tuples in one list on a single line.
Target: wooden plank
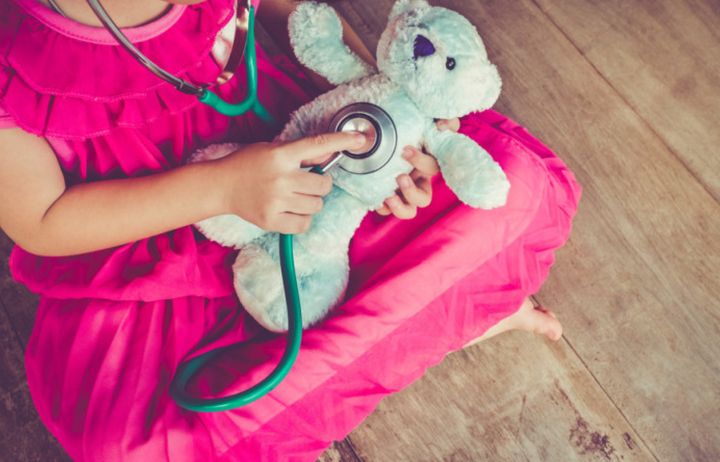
[(23, 437), (544, 406), (340, 451), (12, 370), (19, 303), (637, 286), (663, 57)]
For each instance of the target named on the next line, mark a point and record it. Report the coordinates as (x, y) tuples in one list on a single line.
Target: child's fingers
[(320, 147), (291, 223), (383, 210), (316, 160), (311, 183), (412, 193), (448, 124), (423, 163), (303, 204), (415, 188), (425, 185), (401, 209)]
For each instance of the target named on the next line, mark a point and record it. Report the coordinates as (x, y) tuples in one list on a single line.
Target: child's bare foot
[(528, 318)]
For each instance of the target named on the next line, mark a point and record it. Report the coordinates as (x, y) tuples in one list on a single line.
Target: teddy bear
[(431, 64)]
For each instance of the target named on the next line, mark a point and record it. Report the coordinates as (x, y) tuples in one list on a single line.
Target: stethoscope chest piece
[(378, 127)]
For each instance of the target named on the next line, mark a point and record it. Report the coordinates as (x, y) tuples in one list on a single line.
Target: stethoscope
[(251, 101), (368, 118)]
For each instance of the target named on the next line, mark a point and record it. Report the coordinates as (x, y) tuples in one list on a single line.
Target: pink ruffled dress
[(112, 326)]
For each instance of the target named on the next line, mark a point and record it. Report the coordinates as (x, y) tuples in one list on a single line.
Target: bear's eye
[(450, 64), (422, 47)]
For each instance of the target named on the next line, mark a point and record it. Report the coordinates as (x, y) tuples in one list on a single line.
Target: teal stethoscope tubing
[(251, 102), (187, 370)]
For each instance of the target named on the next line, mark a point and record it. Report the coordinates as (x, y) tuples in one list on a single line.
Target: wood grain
[(18, 302), (663, 58), (340, 451), (12, 371), (23, 437)]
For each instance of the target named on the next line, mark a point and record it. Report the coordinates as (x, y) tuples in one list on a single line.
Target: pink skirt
[(99, 370)]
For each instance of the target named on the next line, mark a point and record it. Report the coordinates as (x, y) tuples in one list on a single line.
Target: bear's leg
[(322, 280)]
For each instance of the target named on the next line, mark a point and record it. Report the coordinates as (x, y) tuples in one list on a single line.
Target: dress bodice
[(105, 116)]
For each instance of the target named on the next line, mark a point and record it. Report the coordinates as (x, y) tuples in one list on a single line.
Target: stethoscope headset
[(365, 117)]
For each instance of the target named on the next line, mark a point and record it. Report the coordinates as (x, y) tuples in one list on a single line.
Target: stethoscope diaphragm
[(378, 127)]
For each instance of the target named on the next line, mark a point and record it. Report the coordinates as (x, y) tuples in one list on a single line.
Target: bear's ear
[(403, 6)]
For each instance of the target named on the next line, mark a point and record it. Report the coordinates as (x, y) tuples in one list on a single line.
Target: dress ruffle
[(40, 64)]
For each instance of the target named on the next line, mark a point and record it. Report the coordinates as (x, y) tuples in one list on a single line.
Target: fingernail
[(359, 139), (442, 125), (405, 181), (407, 152)]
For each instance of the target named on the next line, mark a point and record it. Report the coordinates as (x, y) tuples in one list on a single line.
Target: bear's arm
[(316, 36), (468, 169)]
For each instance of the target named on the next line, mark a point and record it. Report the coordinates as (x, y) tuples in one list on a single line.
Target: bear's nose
[(422, 47)]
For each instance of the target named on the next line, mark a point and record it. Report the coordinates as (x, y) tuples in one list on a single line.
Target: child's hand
[(264, 184), (415, 188)]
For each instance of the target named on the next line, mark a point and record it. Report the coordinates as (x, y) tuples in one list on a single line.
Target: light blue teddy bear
[(432, 64)]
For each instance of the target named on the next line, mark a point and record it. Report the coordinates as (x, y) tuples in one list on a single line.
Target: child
[(95, 193)]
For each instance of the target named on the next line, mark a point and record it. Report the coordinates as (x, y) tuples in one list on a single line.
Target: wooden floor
[(628, 93)]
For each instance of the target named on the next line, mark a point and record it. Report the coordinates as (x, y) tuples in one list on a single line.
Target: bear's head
[(437, 56)]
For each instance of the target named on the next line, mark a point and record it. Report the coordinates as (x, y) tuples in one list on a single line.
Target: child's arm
[(262, 183)]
